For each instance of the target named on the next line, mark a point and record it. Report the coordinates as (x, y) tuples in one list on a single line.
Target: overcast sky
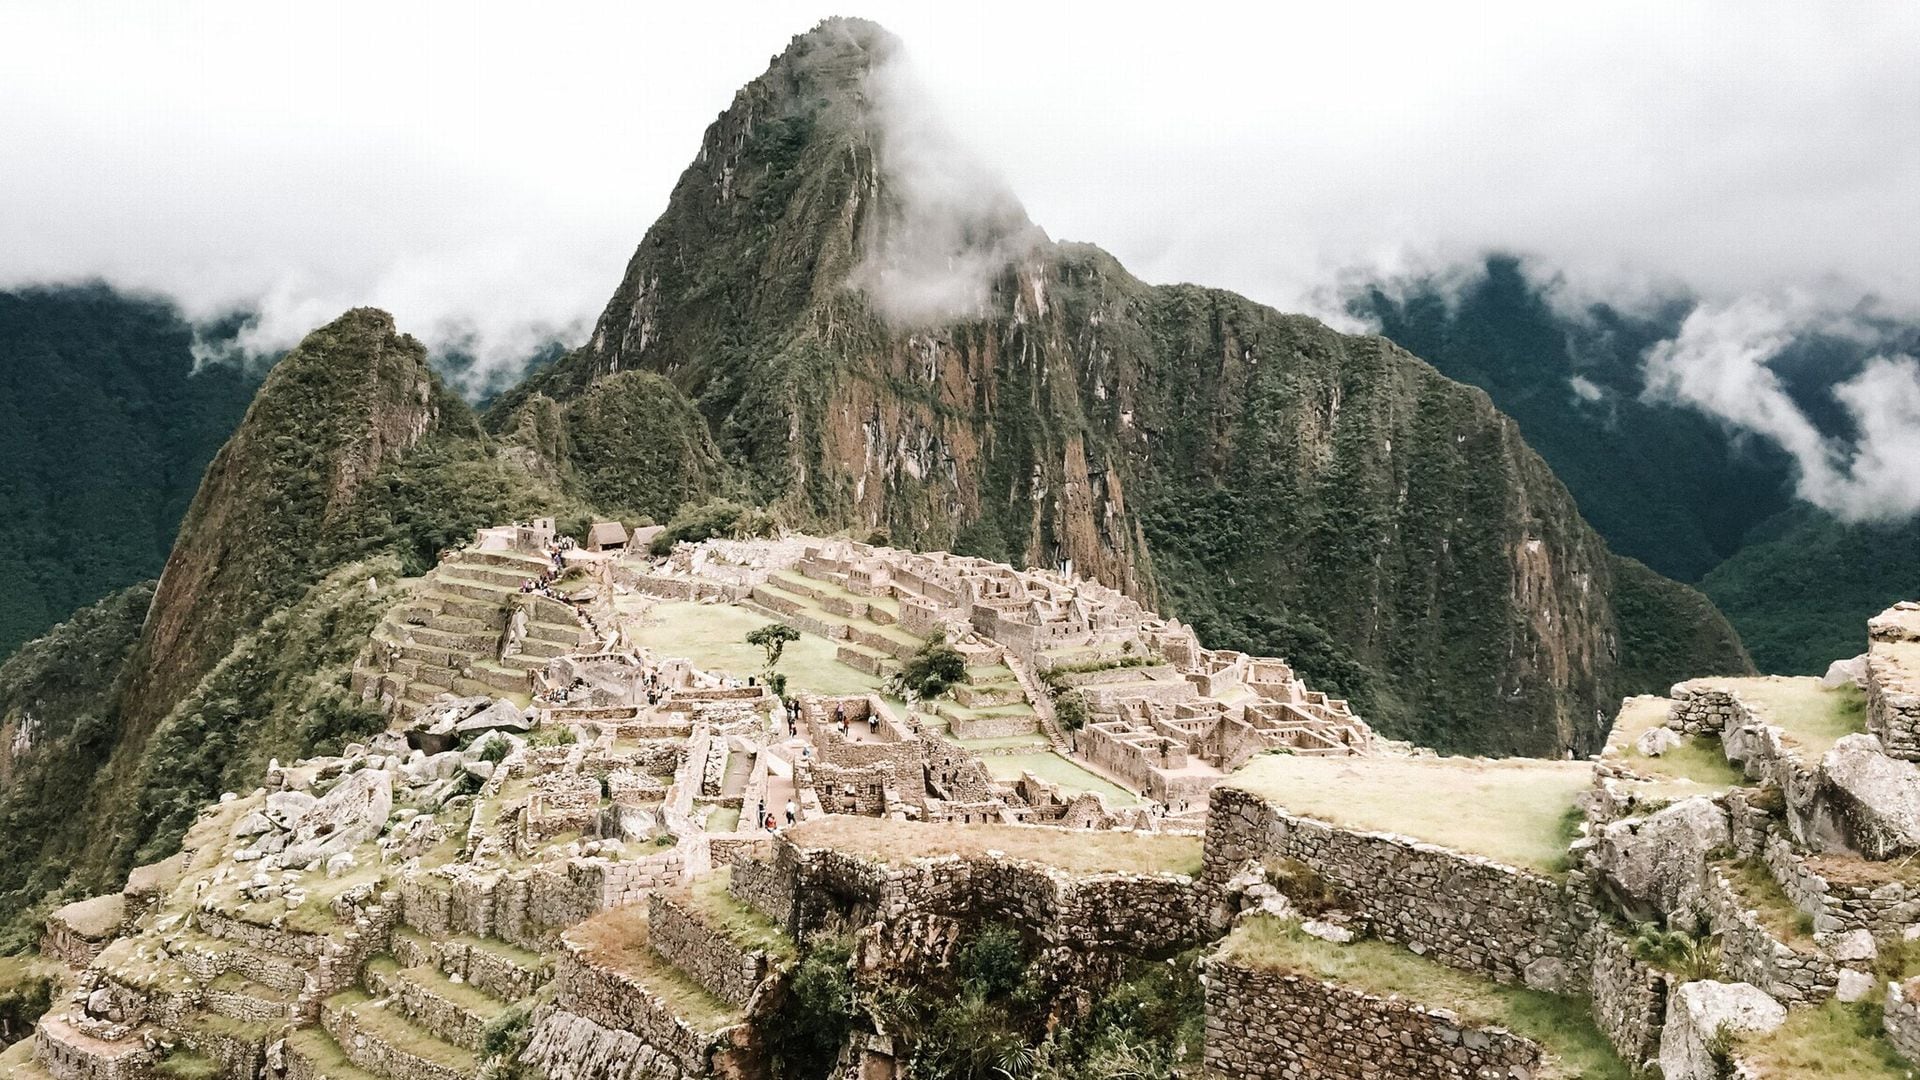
[(493, 166)]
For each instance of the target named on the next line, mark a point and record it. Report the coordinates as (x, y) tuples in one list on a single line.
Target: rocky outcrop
[(1702, 1017), (1654, 865), (1873, 799)]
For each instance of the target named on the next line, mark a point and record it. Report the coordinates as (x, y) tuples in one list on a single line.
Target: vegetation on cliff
[(106, 424), (1286, 488), (1663, 483)]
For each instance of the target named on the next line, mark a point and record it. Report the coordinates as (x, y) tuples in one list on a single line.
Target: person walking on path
[(792, 811)]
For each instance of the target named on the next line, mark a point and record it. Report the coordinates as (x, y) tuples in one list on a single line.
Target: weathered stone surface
[(1698, 1011), (1655, 864), (1841, 672), (1656, 741), (1901, 1018), (501, 715), (1872, 798), (352, 813)]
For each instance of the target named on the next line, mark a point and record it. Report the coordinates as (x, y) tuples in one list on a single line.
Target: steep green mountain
[(105, 428), (352, 466), (1664, 483), (1285, 487)]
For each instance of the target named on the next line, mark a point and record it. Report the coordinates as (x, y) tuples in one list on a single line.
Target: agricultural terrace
[(1519, 812)]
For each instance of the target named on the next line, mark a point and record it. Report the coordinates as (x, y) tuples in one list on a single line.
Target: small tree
[(773, 637), (936, 666)]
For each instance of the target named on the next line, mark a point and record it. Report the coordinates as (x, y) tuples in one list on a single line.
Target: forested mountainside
[(1286, 488), (1662, 482), (105, 428)]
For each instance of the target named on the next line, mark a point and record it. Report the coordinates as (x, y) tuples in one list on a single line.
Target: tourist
[(873, 722), (792, 811), (771, 824)]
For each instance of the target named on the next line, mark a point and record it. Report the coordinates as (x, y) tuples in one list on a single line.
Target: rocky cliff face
[(352, 396), (876, 350)]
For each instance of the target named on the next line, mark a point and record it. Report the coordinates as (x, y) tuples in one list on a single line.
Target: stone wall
[(1137, 914), (1893, 684), (1884, 908), (68, 1054), (1750, 954), (1629, 998), (1462, 910), (617, 1001), (1267, 1025), (861, 791), (1901, 1016), (708, 956), (1702, 710)]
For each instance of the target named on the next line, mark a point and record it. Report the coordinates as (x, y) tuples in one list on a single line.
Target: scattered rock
[(1841, 672), (1696, 1015), (340, 863), (502, 715), (1853, 985), (1326, 931)]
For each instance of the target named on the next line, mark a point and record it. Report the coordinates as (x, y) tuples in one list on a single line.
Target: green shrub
[(803, 1036), (933, 668), (708, 520), (1070, 709)]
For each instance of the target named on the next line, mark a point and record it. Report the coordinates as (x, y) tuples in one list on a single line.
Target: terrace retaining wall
[(1274, 1026), (708, 956), (1629, 998), (1462, 910)]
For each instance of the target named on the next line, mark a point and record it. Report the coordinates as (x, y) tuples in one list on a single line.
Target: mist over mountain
[(1764, 449)]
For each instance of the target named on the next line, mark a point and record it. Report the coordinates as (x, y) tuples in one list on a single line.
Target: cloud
[(1718, 363), (947, 226), (492, 169)]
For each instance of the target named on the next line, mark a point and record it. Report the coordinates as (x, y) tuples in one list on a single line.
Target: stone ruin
[(586, 845)]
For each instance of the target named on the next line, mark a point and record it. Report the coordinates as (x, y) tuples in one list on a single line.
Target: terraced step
[(542, 649), (437, 638), (569, 633), (487, 573), (375, 1037), (486, 611), (237, 997), (500, 970), (506, 678), (989, 695), (313, 1055), (518, 559), (454, 1012)]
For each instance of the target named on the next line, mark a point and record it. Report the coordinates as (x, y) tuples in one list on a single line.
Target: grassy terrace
[(617, 940), (1562, 1025), (318, 1047), (713, 637), (1519, 812), (1812, 717), (1696, 760), (1759, 892), (396, 1031), (1070, 850), (1055, 769), (747, 927), (1837, 1040)]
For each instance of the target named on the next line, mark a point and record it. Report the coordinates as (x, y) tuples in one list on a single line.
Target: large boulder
[(1656, 864), (1871, 801), (354, 812), (1656, 741), (1701, 1015), (502, 715), (1841, 672)]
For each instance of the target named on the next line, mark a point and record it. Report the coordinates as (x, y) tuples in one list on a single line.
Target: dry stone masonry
[(587, 840)]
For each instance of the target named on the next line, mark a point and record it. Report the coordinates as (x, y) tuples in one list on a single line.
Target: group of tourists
[(767, 821)]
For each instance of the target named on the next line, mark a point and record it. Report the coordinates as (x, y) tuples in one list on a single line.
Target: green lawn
[(1563, 1026), (1516, 811), (1836, 1040), (713, 637), (1812, 716), (1053, 768), (1696, 760), (746, 927)]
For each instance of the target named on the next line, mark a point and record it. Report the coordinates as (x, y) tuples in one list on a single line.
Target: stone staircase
[(445, 637)]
